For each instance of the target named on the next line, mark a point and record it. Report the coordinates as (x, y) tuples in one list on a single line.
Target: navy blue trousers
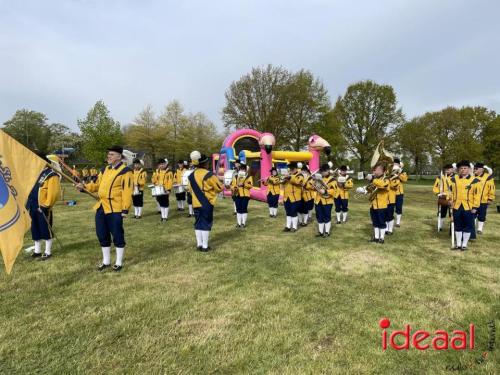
[(163, 200), (341, 205), (272, 200), (399, 204), (378, 217), (464, 220), (189, 198), (138, 200), (292, 208), (203, 217), (481, 212), (324, 212), (242, 204), (306, 206), (39, 228), (107, 225), (389, 212)]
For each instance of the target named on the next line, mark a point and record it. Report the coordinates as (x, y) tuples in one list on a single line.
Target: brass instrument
[(319, 184)]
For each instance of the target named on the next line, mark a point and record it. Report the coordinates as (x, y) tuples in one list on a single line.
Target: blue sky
[(60, 57)]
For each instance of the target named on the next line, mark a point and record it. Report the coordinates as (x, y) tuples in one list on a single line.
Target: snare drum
[(228, 177), (158, 190), (178, 189), (442, 201), (185, 177)]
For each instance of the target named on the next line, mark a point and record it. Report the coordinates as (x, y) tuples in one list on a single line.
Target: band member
[(164, 180), (233, 182), (93, 174), (114, 189), (204, 186), (154, 181), (138, 190), (442, 191), (403, 177), (180, 197), (394, 184), (465, 200), (273, 192), (344, 184), (85, 174), (75, 173), (486, 192), (243, 182), (292, 195), (189, 197), (40, 201), (378, 203), (324, 202), (308, 194)]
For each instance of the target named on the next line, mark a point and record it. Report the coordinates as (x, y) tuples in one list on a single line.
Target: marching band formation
[(464, 193)]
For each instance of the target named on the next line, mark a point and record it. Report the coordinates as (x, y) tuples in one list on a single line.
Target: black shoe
[(463, 248), (271, 215), (319, 234), (293, 230), (286, 229), (455, 248), (388, 233), (381, 241), (36, 255), (199, 248), (234, 213), (479, 232), (243, 225), (158, 213), (373, 239), (398, 225), (102, 266), (338, 222), (45, 256), (205, 249), (117, 268), (139, 217), (238, 226), (326, 234)]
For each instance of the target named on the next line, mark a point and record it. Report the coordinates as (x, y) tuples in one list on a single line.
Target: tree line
[(292, 106)]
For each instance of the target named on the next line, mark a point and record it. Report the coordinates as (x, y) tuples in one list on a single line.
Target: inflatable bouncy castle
[(256, 150)]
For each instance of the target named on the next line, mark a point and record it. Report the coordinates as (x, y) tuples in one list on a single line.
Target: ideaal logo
[(423, 340), (9, 210)]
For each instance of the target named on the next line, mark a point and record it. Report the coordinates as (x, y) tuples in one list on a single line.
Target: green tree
[(198, 133), (368, 113), (29, 128), (99, 131), (413, 139), (172, 120), (491, 143)]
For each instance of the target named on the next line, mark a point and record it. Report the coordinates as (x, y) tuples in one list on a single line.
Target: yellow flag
[(19, 170)]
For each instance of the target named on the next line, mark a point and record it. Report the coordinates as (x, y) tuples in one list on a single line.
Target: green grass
[(263, 302)]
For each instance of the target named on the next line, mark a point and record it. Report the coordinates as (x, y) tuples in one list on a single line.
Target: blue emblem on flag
[(9, 210)]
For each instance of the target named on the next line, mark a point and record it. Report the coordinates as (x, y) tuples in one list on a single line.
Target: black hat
[(243, 166), (448, 166), (305, 168), (324, 168), (479, 165), (137, 161), (180, 162), (203, 159), (463, 163), (161, 161), (116, 148), (343, 168), (397, 160), (292, 165), (273, 169)]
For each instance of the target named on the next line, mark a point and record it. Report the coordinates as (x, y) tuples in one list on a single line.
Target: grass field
[(263, 302)]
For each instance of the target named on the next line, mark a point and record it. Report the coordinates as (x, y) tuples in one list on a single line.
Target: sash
[(197, 191)]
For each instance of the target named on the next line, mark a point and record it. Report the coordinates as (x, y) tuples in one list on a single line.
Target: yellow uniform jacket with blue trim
[(178, 176), (154, 176), (273, 185), (486, 188), (244, 184), (308, 190), (292, 188), (140, 178), (393, 189), (332, 188), (165, 178), (403, 177), (85, 172), (209, 185), (343, 189), (49, 189), (114, 188), (436, 189), (93, 172), (465, 192), (381, 197)]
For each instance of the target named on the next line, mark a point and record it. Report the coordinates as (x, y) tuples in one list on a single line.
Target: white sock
[(328, 226), (304, 218), (390, 226), (106, 255), (271, 211), (204, 237), (321, 228), (48, 247), (344, 214), (135, 211), (480, 225), (234, 204), (289, 222), (338, 215), (299, 218), (191, 211), (441, 223), (310, 214), (166, 212), (382, 233), (465, 239), (139, 211), (295, 221), (238, 219), (38, 247), (398, 219), (199, 241), (275, 211), (377, 233), (458, 238), (244, 218), (119, 255)]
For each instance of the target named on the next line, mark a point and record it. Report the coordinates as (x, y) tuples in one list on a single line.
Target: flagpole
[(73, 181)]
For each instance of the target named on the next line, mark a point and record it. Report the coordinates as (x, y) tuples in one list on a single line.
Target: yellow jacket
[(93, 172), (154, 176), (393, 189), (465, 192), (114, 188), (165, 177), (208, 183), (343, 189), (140, 178), (403, 177), (293, 188), (381, 194), (85, 172), (244, 184), (273, 185), (486, 188), (178, 176), (50, 190), (436, 189), (332, 188), (308, 190)]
